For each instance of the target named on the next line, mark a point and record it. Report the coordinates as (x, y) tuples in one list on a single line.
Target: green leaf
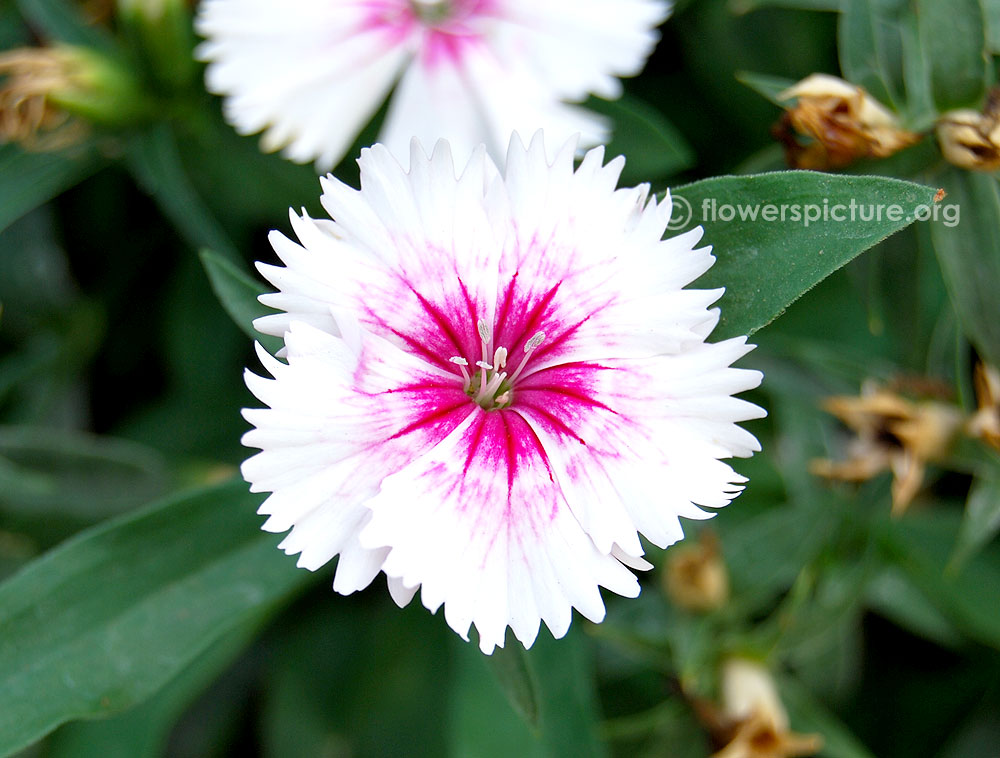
[(44, 472), (981, 522), (969, 253), (566, 698), (766, 85), (808, 715), (653, 146), (745, 6), (238, 292), (991, 9), (920, 545), (766, 263), (155, 161), (106, 619), (893, 595), (359, 678), (511, 670), (29, 179), (953, 42), (64, 21), (868, 40), (142, 731)]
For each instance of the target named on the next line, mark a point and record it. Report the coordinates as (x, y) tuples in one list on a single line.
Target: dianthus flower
[(311, 73), (495, 382)]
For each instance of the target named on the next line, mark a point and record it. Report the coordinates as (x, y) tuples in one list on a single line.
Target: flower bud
[(696, 576)]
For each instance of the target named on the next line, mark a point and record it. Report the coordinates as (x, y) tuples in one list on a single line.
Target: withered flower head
[(894, 433), (985, 422), (971, 139), (696, 576), (844, 124), (27, 114), (752, 722), (49, 94)]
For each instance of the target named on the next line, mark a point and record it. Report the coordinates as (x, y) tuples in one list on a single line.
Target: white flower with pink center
[(495, 383), (311, 73)]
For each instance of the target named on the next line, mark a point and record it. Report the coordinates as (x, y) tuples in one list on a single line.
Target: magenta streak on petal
[(437, 340), (394, 17), (446, 46), (524, 319), (559, 394), (441, 414), (500, 479)]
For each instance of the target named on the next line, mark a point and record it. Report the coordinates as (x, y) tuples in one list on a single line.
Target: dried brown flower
[(842, 121)]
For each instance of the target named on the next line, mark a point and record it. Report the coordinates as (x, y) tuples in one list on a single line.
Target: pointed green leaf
[(142, 731), (64, 21), (156, 162), (920, 545), (991, 13), (745, 6), (652, 144), (775, 236), (511, 670), (29, 179), (808, 715), (953, 42), (766, 85), (969, 253), (238, 293), (106, 619), (981, 523), (46, 472), (561, 671), (870, 47)]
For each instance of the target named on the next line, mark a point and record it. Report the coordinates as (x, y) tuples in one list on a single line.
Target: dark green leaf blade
[(953, 41), (652, 145), (969, 254), (238, 292), (981, 522), (920, 545), (64, 21), (511, 670), (29, 179), (766, 85), (562, 679), (766, 263), (870, 48), (45, 472), (155, 160), (106, 619), (141, 732)]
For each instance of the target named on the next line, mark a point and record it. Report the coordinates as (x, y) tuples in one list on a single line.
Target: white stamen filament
[(490, 386), (528, 348), (462, 363)]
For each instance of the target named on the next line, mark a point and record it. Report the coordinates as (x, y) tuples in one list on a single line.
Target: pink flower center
[(445, 28), (492, 386)]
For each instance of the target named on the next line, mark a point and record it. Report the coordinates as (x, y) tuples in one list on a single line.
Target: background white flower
[(494, 384), (312, 73)]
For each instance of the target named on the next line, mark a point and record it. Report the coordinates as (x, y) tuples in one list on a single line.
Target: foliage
[(144, 614)]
